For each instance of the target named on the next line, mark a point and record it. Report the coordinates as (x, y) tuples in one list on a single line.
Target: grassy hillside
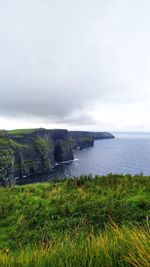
[(77, 222)]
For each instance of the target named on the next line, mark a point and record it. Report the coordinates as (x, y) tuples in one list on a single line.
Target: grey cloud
[(78, 119), (60, 57)]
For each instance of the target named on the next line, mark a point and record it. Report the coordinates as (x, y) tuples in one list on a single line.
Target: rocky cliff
[(27, 152), (7, 159), (35, 151), (81, 139), (101, 135)]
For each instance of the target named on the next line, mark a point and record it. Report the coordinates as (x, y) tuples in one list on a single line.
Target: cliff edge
[(30, 151), (24, 153)]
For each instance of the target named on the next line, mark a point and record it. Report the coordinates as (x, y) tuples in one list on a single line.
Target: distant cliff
[(81, 139), (101, 135), (84, 139), (27, 152)]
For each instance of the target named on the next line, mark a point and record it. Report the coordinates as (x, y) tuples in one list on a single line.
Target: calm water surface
[(127, 153)]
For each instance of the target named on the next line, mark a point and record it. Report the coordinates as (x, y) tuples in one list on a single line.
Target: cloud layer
[(74, 63)]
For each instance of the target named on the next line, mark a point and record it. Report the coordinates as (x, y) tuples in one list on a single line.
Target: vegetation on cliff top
[(21, 131), (77, 222)]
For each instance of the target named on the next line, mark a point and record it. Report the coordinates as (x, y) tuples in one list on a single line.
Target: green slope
[(68, 220)]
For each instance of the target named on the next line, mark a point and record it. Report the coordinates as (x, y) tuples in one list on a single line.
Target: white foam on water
[(68, 161)]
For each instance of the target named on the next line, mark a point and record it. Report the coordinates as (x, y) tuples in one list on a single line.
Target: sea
[(127, 153)]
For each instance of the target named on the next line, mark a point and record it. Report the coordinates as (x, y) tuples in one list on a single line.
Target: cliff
[(27, 152), (24, 153), (81, 139), (6, 158), (101, 135)]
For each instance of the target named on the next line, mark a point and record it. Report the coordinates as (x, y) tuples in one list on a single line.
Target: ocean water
[(126, 154)]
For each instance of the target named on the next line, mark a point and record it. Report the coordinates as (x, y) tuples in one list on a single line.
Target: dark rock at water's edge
[(27, 152)]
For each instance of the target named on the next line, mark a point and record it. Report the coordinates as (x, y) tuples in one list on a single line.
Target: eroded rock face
[(84, 139), (101, 135), (7, 159), (81, 139), (29, 153)]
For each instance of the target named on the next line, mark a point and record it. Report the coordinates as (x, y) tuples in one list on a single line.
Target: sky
[(75, 64)]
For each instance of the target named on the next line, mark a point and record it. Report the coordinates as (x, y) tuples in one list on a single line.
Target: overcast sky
[(76, 64)]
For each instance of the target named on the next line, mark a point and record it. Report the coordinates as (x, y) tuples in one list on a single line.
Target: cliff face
[(26, 152), (7, 159), (81, 139), (101, 135), (34, 152)]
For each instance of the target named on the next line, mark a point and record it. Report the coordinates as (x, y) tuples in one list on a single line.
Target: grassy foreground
[(77, 222)]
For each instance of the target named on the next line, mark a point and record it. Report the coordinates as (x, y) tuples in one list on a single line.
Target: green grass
[(21, 131), (77, 222), (114, 246)]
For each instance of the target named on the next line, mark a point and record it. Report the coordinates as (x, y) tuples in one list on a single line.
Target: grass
[(21, 131), (77, 222), (114, 246)]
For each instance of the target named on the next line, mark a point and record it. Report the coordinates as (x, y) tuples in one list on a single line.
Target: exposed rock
[(101, 135), (81, 139), (26, 152), (34, 152), (7, 159)]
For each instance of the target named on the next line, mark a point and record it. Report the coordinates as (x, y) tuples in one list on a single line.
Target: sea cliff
[(27, 152), (81, 139), (101, 135), (84, 139), (35, 151)]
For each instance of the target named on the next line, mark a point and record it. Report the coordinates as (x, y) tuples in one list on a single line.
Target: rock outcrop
[(81, 139), (27, 152), (101, 135), (33, 152), (7, 159)]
